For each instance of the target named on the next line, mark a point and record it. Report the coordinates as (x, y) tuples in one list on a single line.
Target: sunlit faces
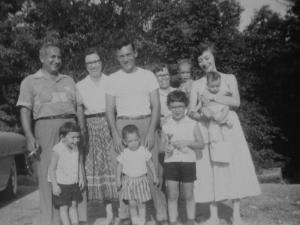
[(71, 139), (163, 78), (132, 140), (93, 65), (206, 61), (213, 86), (185, 70), (178, 110), (51, 60), (126, 57)]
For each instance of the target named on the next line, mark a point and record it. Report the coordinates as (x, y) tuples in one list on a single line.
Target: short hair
[(212, 76), (46, 45), (92, 50), (121, 41), (130, 129), (177, 96), (68, 127), (184, 61), (156, 67)]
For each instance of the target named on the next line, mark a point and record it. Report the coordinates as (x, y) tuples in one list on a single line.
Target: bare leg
[(213, 219), (73, 212), (64, 215), (142, 213), (173, 193), (188, 193), (236, 217), (133, 211)]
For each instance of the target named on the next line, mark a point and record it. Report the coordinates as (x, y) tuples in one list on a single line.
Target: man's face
[(51, 60), (126, 57)]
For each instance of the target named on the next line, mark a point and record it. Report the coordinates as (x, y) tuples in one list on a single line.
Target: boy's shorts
[(69, 193), (180, 171)]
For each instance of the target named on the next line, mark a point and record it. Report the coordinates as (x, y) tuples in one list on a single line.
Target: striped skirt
[(135, 188), (99, 163)]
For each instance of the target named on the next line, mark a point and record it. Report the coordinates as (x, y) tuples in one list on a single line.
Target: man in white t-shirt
[(132, 98)]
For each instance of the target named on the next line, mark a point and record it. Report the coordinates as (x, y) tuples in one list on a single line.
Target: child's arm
[(153, 171), (221, 116), (119, 173), (52, 173), (81, 172)]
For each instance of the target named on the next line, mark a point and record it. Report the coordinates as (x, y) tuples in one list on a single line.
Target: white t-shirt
[(181, 130), (93, 94), (132, 91), (67, 165), (134, 162)]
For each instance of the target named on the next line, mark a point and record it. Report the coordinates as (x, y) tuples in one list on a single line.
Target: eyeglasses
[(93, 62), (180, 107), (163, 75)]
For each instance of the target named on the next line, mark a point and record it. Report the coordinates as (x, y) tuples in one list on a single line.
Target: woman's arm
[(234, 99), (118, 174)]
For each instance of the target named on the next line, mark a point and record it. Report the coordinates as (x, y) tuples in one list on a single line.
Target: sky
[(250, 6)]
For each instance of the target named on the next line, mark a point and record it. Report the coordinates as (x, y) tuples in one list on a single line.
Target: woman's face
[(206, 61), (93, 65)]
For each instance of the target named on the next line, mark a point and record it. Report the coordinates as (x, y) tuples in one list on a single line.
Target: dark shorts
[(180, 171), (69, 193)]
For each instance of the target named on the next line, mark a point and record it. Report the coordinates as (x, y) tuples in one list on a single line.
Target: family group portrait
[(158, 112)]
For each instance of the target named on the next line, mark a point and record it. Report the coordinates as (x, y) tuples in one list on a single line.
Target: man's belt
[(133, 117), (62, 116), (95, 115)]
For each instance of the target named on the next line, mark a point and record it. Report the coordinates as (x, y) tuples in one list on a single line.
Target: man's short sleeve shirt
[(48, 97), (132, 91)]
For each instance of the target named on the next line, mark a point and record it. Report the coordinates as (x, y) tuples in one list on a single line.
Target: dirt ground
[(279, 204)]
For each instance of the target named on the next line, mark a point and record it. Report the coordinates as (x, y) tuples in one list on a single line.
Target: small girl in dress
[(185, 73), (66, 174), (184, 145), (132, 174)]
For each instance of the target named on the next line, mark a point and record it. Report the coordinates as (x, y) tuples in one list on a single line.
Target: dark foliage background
[(264, 57)]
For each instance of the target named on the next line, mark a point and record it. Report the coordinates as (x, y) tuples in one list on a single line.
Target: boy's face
[(132, 141), (163, 78), (178, 110), (126, 57), (214, 86), (185, 71), (71, 140)]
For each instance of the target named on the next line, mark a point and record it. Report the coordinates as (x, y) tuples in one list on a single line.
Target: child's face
[(178, 110), (185, 71), (71, 140), (214, 86), (132, 141), (163, 78)]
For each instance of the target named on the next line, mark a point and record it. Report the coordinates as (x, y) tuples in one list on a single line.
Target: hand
[(180, 145), (208, 96), (56, 190), (118, 143), (149, 140), (32, 145), (170, 148), (155, 181), (81, 183), (119, 184), (195, 115)]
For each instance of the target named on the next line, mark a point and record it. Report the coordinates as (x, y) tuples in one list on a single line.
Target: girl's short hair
[(67, 128), (130, 129), (184, 61), (177, 96), (212, 76), (156, 67)]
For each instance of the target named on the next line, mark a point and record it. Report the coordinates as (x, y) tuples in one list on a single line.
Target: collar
[(41, 75)]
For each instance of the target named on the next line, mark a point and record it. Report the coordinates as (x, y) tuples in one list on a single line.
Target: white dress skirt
[(234, 180)]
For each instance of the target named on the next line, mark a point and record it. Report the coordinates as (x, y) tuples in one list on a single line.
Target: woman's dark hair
[(130, 129), (177, 96), (204, 46), (92, 50), (67, 128)]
